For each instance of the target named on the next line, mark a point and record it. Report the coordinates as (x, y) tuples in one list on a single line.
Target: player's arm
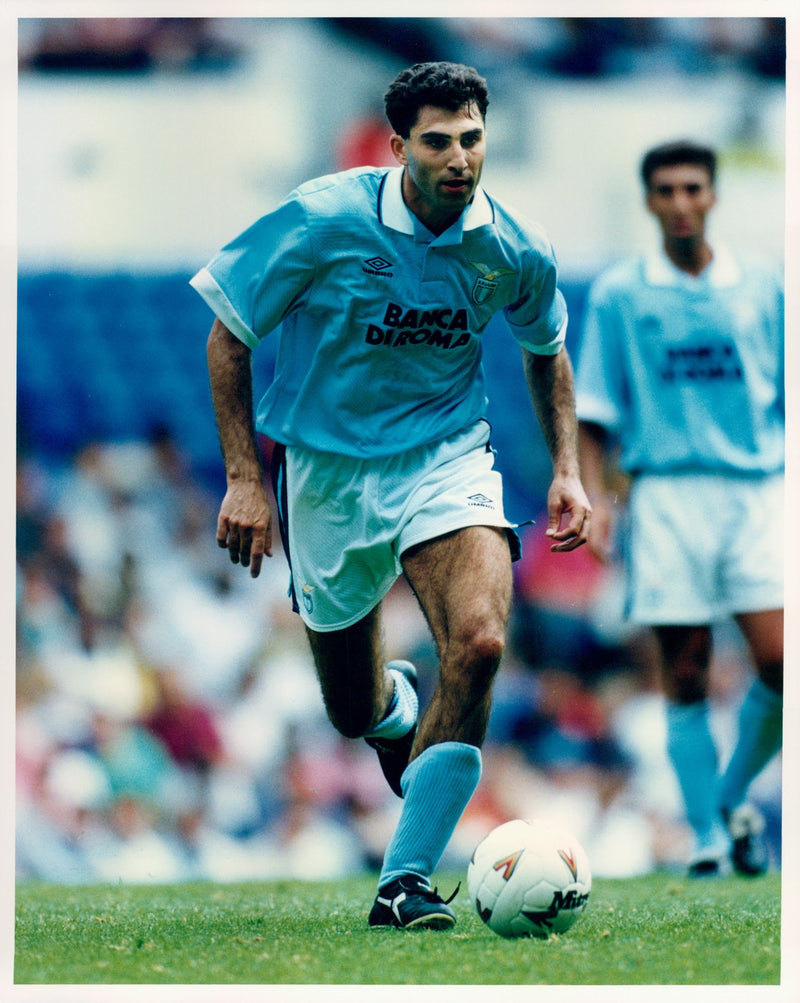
[(244, 525), (551, 386)]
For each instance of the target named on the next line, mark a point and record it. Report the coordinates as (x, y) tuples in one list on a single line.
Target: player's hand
[(569, 514), (244, 526)]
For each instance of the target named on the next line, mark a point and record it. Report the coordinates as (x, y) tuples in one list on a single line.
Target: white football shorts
[(702, 547), (345, 522)]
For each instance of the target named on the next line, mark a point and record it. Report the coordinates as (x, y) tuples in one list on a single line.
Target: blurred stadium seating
[(109, 357)]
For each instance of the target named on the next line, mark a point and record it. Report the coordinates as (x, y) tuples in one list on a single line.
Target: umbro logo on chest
[(377, 266)]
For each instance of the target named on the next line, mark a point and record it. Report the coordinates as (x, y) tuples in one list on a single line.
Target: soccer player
[(383, 281), (680, 381)]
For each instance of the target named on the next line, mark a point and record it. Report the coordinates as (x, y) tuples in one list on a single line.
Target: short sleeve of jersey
[(254, 281), (538, 319), (599, 388)]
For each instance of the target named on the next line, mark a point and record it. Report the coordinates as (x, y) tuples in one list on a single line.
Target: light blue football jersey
[(380, 320), (687, 372)]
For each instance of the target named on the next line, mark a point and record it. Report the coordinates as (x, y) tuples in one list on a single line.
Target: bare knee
[(474, 654), (459, 709), (487, 647)]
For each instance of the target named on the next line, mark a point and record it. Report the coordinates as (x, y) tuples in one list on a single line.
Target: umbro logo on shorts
[(377, 266), (480, 501)]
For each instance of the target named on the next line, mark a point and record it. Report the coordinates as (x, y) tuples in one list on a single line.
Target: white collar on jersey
[(395, 213), (722, 271)]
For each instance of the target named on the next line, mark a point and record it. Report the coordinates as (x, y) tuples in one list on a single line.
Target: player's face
[(443, 157), (680, 197)]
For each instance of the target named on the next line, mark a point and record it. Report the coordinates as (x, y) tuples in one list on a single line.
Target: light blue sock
[(760, 737), (437, 787), (402, 714), (693, 754)]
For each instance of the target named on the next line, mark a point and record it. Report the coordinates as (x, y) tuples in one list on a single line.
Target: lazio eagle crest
[(487, 283)]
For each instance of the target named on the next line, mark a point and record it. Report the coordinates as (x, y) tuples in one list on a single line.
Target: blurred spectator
[(365, 143), (136, 763), (124, 44), (410, 39), (135, 849), (55, 816), (32, 507), (186, 727), (107, 43)]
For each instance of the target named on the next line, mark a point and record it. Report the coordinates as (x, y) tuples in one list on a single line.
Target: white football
[(529, 879)]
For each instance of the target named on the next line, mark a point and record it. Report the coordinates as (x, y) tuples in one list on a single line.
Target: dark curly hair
[(441, 84), (683, 151)]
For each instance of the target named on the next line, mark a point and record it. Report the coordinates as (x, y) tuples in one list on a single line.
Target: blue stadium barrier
[(112, 356)]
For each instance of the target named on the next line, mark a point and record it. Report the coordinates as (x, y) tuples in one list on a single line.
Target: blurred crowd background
[(168, 721)]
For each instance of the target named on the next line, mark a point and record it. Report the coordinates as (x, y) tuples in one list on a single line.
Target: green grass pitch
[(660, 929)]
